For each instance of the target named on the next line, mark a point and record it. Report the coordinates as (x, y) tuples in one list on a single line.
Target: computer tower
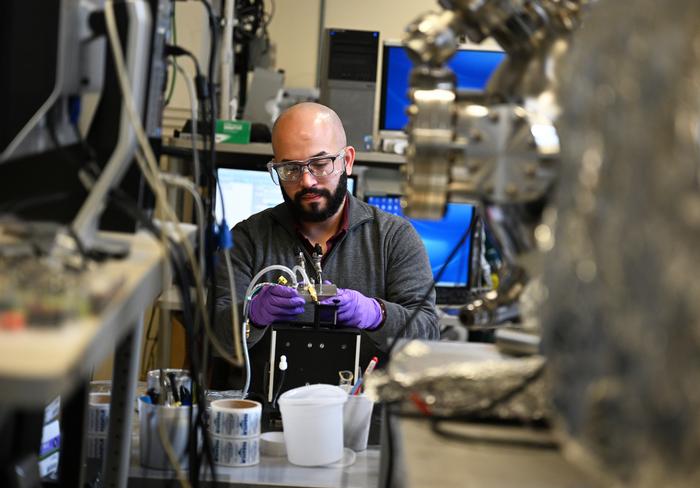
[(348, 79)]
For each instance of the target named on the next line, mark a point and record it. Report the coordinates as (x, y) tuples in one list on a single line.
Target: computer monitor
[(472, 66), (440, 238), (245, 192), (55, 60)]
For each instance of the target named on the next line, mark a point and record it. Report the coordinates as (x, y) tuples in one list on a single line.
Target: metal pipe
[(227, 61)]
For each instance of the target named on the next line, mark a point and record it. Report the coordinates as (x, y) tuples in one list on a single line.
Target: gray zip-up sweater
[(381, 256)]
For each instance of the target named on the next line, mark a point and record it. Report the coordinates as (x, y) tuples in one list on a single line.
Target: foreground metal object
[(448, 380), (622, 323), (499, 148)]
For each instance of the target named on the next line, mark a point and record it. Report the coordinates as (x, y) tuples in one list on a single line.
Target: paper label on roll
[(235, 418), (235, 452), (96, 447), (98, 413)]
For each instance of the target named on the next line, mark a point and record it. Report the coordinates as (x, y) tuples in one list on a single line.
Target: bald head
[(309, 125)]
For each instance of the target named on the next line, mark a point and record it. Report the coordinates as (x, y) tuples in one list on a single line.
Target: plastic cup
[(357, 416), (313, 424)]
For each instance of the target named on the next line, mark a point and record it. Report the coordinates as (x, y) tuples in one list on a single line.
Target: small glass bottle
[(345, 380)]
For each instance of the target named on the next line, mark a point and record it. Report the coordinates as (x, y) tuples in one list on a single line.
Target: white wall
[(294, 28), (192, 29), (294, 31)]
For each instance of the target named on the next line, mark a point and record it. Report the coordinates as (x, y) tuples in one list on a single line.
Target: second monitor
[(245, 192), (473, 67), (452, 272)]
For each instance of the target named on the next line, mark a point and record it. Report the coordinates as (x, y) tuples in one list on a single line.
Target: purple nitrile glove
[(355, 309), (275, 303)]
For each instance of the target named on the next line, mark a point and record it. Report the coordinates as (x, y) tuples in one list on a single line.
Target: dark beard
[(335, 200)]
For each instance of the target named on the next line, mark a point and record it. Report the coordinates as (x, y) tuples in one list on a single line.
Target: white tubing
[(251, 287), (301, 271)]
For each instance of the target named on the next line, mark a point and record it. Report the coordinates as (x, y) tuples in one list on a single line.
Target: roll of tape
[(229, 451), (96, 447), (235, 418), (98, 413)]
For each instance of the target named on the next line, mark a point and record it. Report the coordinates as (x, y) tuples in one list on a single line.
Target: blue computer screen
[(472, 67), (440, 238), (245, 192)]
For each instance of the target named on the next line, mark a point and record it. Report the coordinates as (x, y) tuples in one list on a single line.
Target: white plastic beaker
[(312, 417)]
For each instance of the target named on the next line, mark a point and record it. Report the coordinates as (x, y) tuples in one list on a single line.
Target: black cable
[(213, 27), (181, 275), (213, 181), (176, 51), (271, 15), (182, 278), (280, 384), (149, 327), (478, 415), (437, 279), (471, 416), (453, 253), (435, 427)]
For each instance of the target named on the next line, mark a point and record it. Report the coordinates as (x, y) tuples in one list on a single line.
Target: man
[(376, 260)]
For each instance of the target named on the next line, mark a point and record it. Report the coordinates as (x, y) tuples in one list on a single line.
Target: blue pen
[(370, 367)]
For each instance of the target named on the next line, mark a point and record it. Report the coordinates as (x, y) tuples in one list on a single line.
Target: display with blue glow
[(245, 192), (472, 67), (440, 238)]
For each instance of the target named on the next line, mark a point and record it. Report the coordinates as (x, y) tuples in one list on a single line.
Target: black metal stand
[(21, 437)]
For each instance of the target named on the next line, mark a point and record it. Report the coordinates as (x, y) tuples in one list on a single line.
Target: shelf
[(261, 153), (39, 363)]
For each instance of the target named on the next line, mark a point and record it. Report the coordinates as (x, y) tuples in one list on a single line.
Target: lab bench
[(273, 472), (38, 364)]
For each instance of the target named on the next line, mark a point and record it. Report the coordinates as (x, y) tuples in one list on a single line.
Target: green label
[(233, 131)]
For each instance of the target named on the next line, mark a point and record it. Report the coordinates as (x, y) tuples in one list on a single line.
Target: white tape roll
[(235, 418), (229, 451), (96, 447), (98, 413)]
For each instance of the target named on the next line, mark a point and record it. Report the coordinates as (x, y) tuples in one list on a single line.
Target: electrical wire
[(252, 285), (188, 186), (194, 110), (149, 167), (168, 251), (123, 202), (437, 279), (238, 346), (271, 15), (173, 29), (436, 426), (147, 334), (450, 257), (280, 384), (170, 452), (213, 28)]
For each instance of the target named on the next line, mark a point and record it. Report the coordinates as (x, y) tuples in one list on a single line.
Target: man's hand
[(355, 309), (274, 303)]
